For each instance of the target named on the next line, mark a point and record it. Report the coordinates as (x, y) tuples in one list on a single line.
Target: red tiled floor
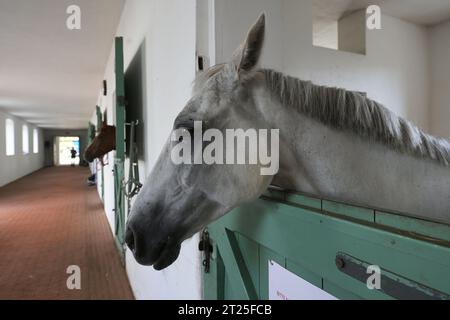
[(49, 221)]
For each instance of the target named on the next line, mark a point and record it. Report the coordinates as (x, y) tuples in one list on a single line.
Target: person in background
[(73, 156)]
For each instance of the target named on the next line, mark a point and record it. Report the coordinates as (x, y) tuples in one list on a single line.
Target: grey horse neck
[(347, 110), (340, 145)]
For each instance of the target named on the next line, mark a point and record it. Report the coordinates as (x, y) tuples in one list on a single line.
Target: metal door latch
[(206, 247), (392, 284)]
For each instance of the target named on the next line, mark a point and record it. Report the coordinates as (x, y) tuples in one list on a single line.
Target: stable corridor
[(50, 220)]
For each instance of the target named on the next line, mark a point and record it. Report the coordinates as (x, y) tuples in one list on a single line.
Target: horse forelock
[(204, 76)]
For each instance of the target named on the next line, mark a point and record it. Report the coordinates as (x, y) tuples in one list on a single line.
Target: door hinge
[(206, 247)]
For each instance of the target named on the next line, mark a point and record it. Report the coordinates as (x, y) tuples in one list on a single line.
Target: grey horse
[(333, 143)]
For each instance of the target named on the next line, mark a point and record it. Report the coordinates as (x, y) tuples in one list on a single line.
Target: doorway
[(63, 151)]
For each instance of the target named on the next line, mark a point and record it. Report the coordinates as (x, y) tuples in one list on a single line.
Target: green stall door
[(120, 146), (99, 126), (328, 245)]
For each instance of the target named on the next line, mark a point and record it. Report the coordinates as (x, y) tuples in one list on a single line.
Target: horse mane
[(348, 110)]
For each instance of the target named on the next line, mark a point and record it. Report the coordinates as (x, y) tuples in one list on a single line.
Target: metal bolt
[(340, 263)]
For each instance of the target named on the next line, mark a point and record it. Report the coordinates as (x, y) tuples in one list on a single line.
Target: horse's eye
[(188, 129)]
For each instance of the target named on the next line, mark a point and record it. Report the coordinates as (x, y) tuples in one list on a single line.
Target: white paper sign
[(285, 285)]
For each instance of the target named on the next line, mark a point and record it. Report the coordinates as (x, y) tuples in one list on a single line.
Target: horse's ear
[(247, 56)]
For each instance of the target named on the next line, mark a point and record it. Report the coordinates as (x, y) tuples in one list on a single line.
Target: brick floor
[(48, 221)]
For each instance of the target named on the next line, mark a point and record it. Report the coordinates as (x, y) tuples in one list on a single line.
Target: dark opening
[(134, 93), (201, 63)]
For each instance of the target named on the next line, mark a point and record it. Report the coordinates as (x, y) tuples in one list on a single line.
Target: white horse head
[(179, 200), (334, 143)]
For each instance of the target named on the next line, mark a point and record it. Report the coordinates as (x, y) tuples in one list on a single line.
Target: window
[(134, 89), (25, 140), (35, 141), (10, 144), (340, 25), (64, 147)]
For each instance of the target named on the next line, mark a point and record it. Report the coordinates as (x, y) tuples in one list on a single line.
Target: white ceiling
[(49, 75), (422, 12)]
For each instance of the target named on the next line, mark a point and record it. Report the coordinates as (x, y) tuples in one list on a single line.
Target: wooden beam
[(235, 265)]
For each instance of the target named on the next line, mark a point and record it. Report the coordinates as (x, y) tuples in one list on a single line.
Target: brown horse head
[(103, 143)]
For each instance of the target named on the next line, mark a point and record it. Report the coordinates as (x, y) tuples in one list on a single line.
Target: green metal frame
[(120, 146), (99, 126), (305, 234), (91, 133), (133, 185), (99, 118)]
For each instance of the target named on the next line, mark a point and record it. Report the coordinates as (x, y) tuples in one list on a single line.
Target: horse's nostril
[(129, 239)]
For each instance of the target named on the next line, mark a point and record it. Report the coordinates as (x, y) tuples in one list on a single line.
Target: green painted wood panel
[(99, 126), (99, 118), (214, 281), (304, 273), (250, 254), (306, 241), (275, 194), (236, 272), (120, 100), (343, 294), (415, 226), (349, 211), (119, 205), (91, 133), (120, 145), (304, 201)]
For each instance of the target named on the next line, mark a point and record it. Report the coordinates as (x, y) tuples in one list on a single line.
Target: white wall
[(19, 165), (233, 19), (394, 71), (440, 80), (168, 28)]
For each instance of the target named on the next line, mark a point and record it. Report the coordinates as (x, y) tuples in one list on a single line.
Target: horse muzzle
[(150, 252)]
